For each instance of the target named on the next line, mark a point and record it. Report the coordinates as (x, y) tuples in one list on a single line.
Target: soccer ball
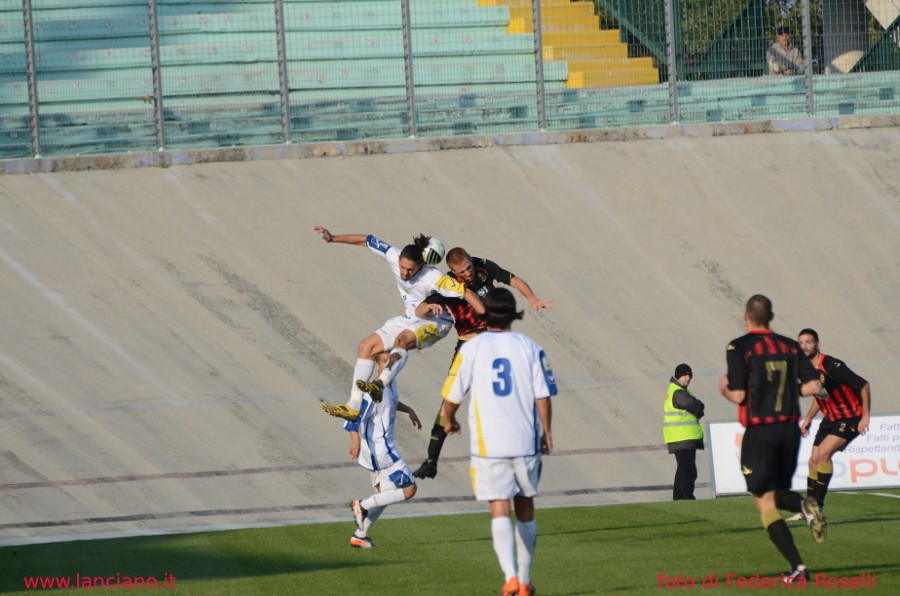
[(434, 252)]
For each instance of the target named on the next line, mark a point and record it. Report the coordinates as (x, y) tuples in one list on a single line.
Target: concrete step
[(575, 23), (585, 52), (613, 78)]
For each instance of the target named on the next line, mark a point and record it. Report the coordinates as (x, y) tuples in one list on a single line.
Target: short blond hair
[(456, 256)]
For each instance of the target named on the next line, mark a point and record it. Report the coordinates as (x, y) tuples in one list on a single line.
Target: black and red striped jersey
[(464, 317), (844, 388), (770, 368)]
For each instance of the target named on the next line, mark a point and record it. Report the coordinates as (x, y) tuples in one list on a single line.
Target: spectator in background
[(782, 56), (682, 432)]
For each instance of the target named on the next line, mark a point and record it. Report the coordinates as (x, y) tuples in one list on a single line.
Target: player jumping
[(415, 281)]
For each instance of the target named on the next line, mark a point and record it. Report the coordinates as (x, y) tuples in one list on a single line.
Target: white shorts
[(497, 479), (399, 475), (427, 331)]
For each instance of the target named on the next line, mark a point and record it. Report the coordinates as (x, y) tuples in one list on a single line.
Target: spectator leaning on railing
[(784, 58)]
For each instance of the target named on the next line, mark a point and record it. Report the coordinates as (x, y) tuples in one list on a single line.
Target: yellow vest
[(679, 425)]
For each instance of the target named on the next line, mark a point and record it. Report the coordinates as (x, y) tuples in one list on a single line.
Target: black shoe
[(426, 470), (800, 575)]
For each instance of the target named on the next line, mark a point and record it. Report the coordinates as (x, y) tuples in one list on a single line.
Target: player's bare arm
[(865, 396), (736, 396), (545, 412), (425, 309), (448, 413), (354, 445), (474, 301), (358, 239), (523, 287), (811, 388), (402, 407), (813, 410)]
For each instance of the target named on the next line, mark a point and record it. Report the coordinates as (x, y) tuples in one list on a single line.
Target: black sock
[(810, 486), (438, 436), (822, 488), (788, 501), (781, 537)]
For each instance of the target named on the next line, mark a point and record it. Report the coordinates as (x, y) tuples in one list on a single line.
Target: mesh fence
[(108, 76)]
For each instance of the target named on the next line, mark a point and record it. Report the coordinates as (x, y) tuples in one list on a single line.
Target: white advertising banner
[(870, 461)]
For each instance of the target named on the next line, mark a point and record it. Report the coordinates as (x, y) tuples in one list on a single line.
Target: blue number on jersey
[(503, 381)]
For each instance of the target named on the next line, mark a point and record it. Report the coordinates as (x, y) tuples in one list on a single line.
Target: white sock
[(372, 516), (363, 370), (388, 374), (504, 545), (384, 498), (526, 537)]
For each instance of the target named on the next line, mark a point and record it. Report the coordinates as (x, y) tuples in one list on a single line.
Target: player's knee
[(369, 347), (405, 340)]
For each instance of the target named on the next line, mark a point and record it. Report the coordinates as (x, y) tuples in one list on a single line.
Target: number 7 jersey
[(770, 368), (503, 373)]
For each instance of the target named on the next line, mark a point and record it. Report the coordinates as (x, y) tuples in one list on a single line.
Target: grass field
[(620, 549)]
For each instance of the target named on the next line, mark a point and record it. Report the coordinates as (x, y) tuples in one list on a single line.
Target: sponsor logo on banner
[(870, 461)]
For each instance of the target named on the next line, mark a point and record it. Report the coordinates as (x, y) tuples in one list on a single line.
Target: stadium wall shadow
[(168, 334)]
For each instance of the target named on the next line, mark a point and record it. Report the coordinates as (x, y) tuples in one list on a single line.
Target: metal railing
[(108, 76)]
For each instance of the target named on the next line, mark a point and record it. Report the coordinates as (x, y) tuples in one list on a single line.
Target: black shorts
[(769, 456), (845, 428)]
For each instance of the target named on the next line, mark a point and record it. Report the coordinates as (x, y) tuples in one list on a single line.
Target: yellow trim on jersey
[(451, 376), (482, 448), (448, 284)]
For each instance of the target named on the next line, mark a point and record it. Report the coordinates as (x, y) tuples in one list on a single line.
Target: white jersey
[(377, 448), (504, 373), (427, 281)]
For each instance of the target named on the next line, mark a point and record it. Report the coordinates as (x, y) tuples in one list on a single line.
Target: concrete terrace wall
[(168, 334)]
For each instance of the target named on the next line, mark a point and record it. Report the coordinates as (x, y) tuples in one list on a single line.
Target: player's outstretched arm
[(523, 287), (402, 407), (358, 239)]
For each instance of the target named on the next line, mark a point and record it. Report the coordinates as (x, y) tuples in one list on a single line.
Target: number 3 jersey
[(503, 373)]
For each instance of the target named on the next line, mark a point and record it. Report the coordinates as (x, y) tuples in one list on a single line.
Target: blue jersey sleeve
[(377, 245)]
